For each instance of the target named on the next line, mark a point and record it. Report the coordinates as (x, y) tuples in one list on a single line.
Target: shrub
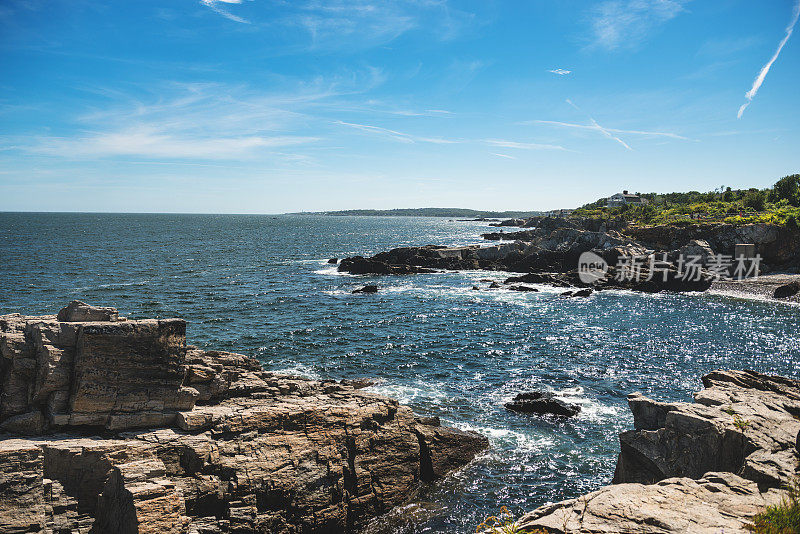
[(791, 223), (754, 199), (502, 523), (788, 188)]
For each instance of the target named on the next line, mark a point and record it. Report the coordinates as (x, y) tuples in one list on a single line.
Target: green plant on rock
[(741, 424), (783, 518)]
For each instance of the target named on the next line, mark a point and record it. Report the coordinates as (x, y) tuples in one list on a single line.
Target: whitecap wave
[(407, 394), (506, 438), (297, 369)]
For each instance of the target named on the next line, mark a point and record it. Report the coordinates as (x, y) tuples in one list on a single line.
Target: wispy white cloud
[(215, 5), (765, 69), (503, 156), (349, 24), (626, 23), (399, 136), (522, 146), (560, 72), (614, 130), (151, 143), (197, 121)]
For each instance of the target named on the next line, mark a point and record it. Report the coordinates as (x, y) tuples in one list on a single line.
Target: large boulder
[(77, 311)]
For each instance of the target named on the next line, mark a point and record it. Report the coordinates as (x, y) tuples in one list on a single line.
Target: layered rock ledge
[(117, 426), (702, 467)]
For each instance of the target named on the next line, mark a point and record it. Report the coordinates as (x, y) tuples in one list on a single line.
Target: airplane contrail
[(765, 69)]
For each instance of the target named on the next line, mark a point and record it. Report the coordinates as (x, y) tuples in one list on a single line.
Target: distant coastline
[(426, 212)]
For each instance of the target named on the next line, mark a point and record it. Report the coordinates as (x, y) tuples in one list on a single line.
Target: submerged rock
[(787, 290), (139, 432), (366, 289), (523, 288), (542, 403)]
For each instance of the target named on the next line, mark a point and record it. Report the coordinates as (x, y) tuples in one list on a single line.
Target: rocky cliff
[(551, 247), (778, 246), (702, 467), (117, 426)]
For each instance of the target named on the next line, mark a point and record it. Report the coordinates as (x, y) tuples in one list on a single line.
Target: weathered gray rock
[(220, 445), (115, 374), (77, 311), (550, 251), (22, 507), (717, 502), (742, 422), (706, 467), (696, 248)]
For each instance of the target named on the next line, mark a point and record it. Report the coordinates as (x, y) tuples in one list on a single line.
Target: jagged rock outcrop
[(552, 248), (194, 441), (743, 422), (704, 467)]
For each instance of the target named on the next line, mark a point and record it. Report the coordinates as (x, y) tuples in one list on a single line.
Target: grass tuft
[(783, 518)]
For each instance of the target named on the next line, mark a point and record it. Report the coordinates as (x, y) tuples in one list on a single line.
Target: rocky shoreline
[(117, 426), (109, 425), (703, 467), (548, 249)]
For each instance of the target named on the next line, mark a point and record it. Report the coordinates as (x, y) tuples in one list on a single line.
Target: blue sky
[(273, 106)]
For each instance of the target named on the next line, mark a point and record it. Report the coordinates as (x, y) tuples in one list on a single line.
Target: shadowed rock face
[(704, 467), (195, 441), (742, 422)]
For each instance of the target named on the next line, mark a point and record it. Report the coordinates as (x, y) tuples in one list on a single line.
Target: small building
[(623, 199)]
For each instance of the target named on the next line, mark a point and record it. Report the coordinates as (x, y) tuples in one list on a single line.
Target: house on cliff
[(623, 199)]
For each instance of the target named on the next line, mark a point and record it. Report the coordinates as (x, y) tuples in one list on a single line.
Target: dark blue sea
[(261, 285)]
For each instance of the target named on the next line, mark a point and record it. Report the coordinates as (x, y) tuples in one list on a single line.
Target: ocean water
[(261, 285)]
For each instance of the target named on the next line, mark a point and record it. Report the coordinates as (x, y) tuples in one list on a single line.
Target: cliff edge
[(110, 425), (703, 467)]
